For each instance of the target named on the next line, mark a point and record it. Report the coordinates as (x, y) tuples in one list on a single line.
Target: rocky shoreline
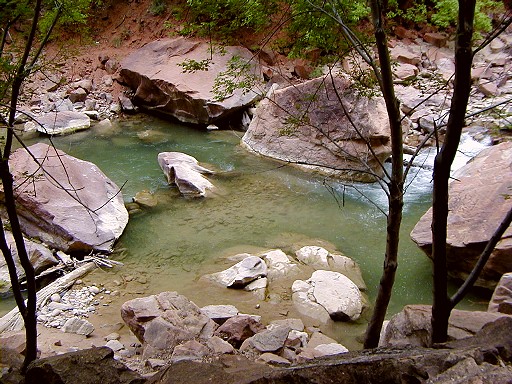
[(223, 330)]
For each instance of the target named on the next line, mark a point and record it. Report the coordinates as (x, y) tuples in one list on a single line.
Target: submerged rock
[(66, 202)]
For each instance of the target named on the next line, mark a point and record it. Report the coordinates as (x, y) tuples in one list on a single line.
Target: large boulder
[(66, 202), (328, 294), (166, 320), (308, 126), (185, 172), (162, 82), (412, 325), (501, 300), (478, 202)]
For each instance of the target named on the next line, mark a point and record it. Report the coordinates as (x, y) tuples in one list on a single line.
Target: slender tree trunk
[(442, 307), (28, 311), (395, 184)]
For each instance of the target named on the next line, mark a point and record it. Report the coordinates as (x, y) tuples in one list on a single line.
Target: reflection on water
[(259, 205)]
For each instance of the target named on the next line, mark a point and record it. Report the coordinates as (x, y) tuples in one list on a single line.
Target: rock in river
[(66, 202), (308, 126), (185, 172), (479, 200)]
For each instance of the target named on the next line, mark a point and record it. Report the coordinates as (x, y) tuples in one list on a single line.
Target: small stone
[(78, 326), (94, 290), (273, 359), (115, 345), (55, 297), (155, 363), (112, 336), (58, 343)]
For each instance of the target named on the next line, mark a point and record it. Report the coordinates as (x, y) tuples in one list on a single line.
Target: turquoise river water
[(259, 205)]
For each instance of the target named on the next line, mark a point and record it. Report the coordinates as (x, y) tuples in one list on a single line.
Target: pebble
[(55, 297), (94, 290), (79, 303)]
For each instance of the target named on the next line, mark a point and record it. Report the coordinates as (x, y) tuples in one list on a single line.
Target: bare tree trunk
[(28, 311), (442, 307), (395, 184)]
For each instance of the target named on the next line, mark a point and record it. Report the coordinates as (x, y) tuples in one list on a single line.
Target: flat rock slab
[(66, 202), (478, 202), (161, 83), (62, 123)]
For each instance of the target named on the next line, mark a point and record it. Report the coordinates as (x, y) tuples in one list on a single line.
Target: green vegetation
[(309, 24)]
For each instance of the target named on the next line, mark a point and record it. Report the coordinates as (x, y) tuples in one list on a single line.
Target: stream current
[(259, 205)]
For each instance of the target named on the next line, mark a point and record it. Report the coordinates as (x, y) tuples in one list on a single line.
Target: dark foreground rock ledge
[(483, 358)]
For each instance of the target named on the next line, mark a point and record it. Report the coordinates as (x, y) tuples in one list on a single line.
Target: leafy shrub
[(157, 7)]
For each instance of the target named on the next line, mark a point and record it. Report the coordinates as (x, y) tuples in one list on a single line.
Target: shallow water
[(259, 204)]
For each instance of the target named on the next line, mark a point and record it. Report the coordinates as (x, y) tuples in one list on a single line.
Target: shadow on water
[(259, 205)]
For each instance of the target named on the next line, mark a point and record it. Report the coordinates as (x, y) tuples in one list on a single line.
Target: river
[(259, 205)]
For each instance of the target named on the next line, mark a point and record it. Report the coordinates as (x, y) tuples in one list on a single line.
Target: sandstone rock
[(239, 328), (305, 125), (40, 257), (219, 346), (69, 203), (477, 205), (446, 67), (78, 95), (329, 349), (337, 294), (279, 264), (273, 359), (78, 326), (92, 366), (488, 88), (126, 104), (242, 273), (185, 172), (412, 326), (293, 324), (165, 320), (189, 350), (303, 301), (114, 345), (62, 123), (258, 287), (157, 74), (406, 71), (404, 55), (85, 84), (502, 296), (270, 340), (220, 313), (435, 38), (320, 258)]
